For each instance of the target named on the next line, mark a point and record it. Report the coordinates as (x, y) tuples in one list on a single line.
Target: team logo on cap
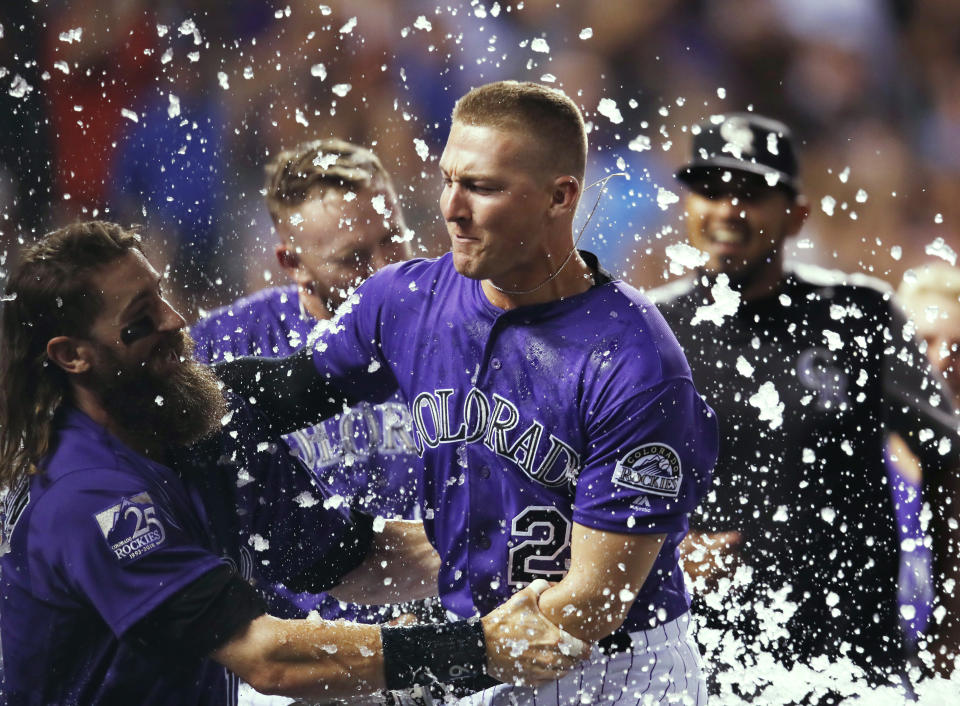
[(131, 527), (652, 468), (739, 137)]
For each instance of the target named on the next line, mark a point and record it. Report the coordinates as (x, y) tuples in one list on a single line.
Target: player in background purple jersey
[(120, 575), (930, 295), (561, 433), (338, 220)]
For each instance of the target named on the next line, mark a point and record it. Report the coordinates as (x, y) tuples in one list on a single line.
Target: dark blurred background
[(164, 113)]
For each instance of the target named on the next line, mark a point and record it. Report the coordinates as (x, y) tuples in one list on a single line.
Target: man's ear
[(563, 196), (286, 257), (70, 354)]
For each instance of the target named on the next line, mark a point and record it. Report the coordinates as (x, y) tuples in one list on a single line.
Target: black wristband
[(424, 654)]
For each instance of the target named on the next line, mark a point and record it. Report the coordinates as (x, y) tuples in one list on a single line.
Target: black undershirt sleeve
[(199, 618), (339, 562), (287, 391)]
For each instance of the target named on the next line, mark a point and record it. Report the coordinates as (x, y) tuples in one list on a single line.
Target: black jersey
[(806, 383)]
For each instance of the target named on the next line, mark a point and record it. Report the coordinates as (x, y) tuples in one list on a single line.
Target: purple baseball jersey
[(367, 455), (105, 535), (578, 410)]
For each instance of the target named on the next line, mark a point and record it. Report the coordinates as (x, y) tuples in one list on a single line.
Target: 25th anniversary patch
[(131, 527), (652, 468)]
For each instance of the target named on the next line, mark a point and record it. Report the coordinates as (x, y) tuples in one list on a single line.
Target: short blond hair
[(545, 114), (310, 169)]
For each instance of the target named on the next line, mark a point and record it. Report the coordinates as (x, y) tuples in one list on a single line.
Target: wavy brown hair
[(48, 294)]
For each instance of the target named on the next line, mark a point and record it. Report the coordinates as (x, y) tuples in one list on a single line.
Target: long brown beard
[(174, 408)]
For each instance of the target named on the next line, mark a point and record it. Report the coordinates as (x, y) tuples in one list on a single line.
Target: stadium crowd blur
[(163, 113)]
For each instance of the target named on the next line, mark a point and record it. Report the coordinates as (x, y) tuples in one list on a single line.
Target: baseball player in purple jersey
[(336, 212), (561, 433), (124, 580)]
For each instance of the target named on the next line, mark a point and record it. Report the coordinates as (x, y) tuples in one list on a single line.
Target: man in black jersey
[(807, 372)]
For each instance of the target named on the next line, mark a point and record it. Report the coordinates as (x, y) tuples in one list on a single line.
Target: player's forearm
[(606, 572), (306, 658), (318, 659), (585, 609), (401, 566)]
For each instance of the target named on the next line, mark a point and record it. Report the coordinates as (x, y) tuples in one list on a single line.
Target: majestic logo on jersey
[(652, 468), (551, 462), (131, 527)]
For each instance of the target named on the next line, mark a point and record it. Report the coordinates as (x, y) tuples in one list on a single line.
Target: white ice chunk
[(725, 303), (665, 197), (834, 342), (640, 143), (608, 108), (767, 400), (258, 543), (938, 248), (422, 150), (306, 499), (683, 256), (540, 45), (73, 35)]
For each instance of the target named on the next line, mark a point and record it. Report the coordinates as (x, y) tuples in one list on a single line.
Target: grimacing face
[(494, 204), (334, 241), (740, 224)]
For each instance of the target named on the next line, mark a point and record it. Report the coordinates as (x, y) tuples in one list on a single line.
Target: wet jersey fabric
[(806, 383), (578, 410), (366, 455), (106, 535)]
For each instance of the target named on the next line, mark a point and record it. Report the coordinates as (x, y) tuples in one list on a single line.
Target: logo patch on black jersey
[(652, 468), (131, 527)]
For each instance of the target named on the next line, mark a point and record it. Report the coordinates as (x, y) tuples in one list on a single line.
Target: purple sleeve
[(205, 350), (119, 548), (649, 462), (348, 351)]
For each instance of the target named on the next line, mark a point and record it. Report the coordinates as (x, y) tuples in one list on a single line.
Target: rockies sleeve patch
[(131, 527), (651, 468)]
